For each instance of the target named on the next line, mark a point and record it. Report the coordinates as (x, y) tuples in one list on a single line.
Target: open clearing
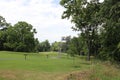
[(48, 66)]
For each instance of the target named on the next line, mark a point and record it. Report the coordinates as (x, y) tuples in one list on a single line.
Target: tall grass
[(98, 71)]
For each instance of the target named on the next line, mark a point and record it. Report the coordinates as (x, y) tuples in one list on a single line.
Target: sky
[(44, 15)]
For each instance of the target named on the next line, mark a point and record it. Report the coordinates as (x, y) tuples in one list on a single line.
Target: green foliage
[(3, 23), (75, 46), (84, 15), (3, 27), (99, 24), (111, 34), (55, 46), (20, 37), (64, 45), (44, 46)]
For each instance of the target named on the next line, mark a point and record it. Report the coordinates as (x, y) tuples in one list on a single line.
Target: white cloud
[(44, 15)]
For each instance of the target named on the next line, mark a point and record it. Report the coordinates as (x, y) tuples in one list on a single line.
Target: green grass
[(36, 62), (48, 66)]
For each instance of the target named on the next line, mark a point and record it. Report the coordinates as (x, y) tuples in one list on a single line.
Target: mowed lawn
[(38, 66), (50, 66)]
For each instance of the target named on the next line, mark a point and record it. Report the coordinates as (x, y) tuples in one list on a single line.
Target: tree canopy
[(44, 46), (19, 37), (98, 23), (84, 15)]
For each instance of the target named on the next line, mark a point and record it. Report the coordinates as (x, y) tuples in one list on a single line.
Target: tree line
[(19, 37), (99, 27)]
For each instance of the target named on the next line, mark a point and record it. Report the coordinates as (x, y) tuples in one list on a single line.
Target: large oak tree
[(84, 15)]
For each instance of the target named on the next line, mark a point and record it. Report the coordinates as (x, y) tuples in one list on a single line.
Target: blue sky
[(44, 15)]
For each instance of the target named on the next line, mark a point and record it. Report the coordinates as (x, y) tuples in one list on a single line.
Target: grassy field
[(48, 66)]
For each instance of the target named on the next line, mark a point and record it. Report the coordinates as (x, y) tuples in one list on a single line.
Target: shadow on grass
[(80, 65), (85, 63), (76, 66)]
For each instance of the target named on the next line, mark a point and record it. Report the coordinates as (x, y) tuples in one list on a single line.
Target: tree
[(65, 43), (3, 23), (74, 48), (3, 27), (55, 46), (84, 14), (110, 18), (20, 37), (44, 46), (36, 45), (77, 46)]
